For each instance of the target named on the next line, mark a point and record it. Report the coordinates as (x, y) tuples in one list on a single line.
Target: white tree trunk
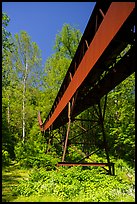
[(8, 110), (23, 108), (23, 104)]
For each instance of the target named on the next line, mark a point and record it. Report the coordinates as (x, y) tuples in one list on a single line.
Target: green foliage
[(78, 184), (6, 36), (7, 49), (67, 41), (5, 157), (12, 101), (120, 120), (55, 69), (38, 198), (7, 139), (64, 183), (32, 153), (56, 66), (46, 181), (11, 175), (28, 52)]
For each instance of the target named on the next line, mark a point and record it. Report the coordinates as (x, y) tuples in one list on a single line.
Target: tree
[(26, 61), (7, 48), (7, 81), (6, 36), (121, 127), (67, 41), (56, 66)]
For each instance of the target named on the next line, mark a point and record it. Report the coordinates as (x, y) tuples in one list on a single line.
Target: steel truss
[(86, 81), (104, 145)]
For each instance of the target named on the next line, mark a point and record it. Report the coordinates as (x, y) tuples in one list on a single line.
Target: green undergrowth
[(75, 184), (12, 175)]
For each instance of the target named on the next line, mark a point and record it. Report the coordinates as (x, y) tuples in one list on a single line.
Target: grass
[(38, 198), (71, 185), (11, 176)]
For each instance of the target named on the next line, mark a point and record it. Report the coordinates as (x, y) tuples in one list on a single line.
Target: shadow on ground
[(10, 177)]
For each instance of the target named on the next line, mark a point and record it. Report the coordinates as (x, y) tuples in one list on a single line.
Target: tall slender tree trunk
[(23, 104), (8, 110), (23, 108)]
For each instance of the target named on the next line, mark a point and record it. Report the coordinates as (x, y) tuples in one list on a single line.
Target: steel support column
[(101, 119), (67, 134), (101, 114)]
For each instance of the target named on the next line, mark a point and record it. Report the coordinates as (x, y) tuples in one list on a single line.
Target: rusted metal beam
[(96, 24), (87, 44), (82, 164), (68, 129), (104, 136), (83, 132), (89, 155), (105, 104), (40, 122), (103, 15), (88, 120), (82, 127), (73, 102), (111, 165), (98, 45), (124, 68)]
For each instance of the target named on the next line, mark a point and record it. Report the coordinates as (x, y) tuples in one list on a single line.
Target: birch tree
[(27, 61)]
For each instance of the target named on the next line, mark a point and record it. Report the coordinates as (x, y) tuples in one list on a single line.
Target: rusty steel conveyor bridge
[(102, 60)]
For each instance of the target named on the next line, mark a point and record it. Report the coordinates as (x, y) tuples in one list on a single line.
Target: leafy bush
[(78, 184), (34, 154), (5, 157)]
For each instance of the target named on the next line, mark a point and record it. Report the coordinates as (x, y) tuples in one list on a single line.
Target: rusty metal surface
[(120, 72), (105, 41), (83, 46), (40, 121), (82, 164), (111, 165)]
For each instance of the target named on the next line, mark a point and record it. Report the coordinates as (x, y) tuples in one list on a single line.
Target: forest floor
[(73, 184), (10, 177)]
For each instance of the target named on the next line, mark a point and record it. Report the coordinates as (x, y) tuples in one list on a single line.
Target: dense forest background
[(28, 88)]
